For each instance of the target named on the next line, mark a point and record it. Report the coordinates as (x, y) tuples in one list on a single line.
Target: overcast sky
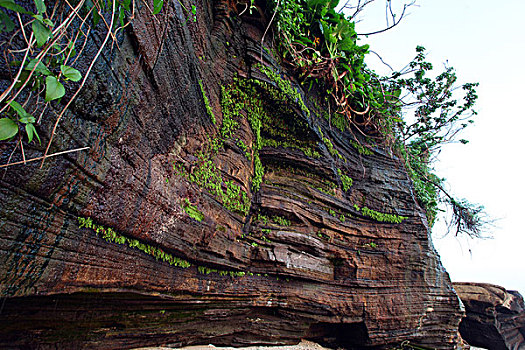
[(485, 42)]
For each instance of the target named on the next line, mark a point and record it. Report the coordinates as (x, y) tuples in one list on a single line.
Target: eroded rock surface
[(495, 317), (296, 250)]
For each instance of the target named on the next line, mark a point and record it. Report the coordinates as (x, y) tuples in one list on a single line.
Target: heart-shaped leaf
[(157, 6), (42, 33), (40, 6), (40, 67), (54, 88), (71, 73), (8, 128)]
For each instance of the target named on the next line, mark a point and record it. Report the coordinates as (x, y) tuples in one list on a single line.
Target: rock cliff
[(219, 202), (495, 317)]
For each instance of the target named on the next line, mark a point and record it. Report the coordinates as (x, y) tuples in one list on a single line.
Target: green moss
[(209, 110), (192, 210), (381, 217), (279, 220), (285, 86), (206, 271), (208, 176), (263, 219), (276, 219), (330, 191), (360, 148), (244, 148), (308, 151), (345, 180), (236, 98), (264, 238), (331, 149), (112, 236), (338, 120), (234, 199), (259, 173), (322, 235)]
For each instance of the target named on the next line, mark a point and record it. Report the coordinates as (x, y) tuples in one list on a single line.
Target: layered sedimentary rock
[(495, 317), (218, 203)]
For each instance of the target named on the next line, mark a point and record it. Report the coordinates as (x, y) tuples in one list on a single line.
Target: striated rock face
[(216, 204), (495, 316)]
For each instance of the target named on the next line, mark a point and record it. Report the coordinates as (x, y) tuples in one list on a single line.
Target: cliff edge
[(217, 203)]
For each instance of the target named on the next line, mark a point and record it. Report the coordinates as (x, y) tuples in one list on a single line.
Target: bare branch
[(44, 157), (391, 15), (381, 58)]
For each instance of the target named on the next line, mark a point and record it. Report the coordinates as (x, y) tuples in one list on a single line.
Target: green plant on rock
[(301, 146), (279, 220), (206, 271), (331, 149), (238, 97), (321, 45), (286, 87), (244, 148), (206, 175), (113, 236), (346, 180), (360, 148), (192, 210), (378, 216), (209, 110)]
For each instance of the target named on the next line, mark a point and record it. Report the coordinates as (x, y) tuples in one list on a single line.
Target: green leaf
[(96, 16), (125, 4), (27, 119), (194, 11), (346, 44), (8, 129), (40, 6), (70, 73), (11, 5), (22, 79), (40, 67), (54, 89), (18, 109), (6, 24), (30, 130), (157, 6), (71, 48), (42, 33)]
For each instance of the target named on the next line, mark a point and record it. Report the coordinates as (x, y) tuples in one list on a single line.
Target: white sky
[(485, 42)]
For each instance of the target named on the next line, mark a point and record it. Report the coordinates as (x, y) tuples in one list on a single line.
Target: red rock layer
[(325, 270)]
